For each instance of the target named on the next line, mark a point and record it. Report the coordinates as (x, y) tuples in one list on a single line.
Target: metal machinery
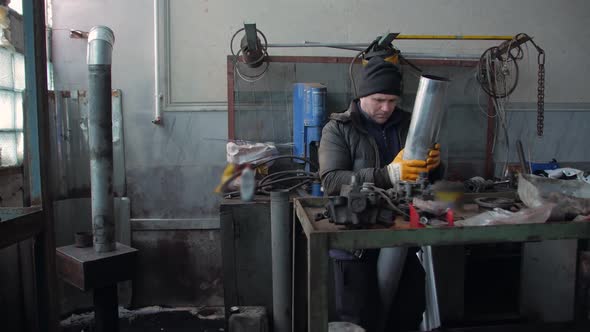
[(309, 117)]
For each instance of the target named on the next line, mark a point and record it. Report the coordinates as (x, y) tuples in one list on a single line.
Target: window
[(12, 85), (12, 81)]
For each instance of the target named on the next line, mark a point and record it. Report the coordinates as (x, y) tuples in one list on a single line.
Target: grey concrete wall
[(171, 170)]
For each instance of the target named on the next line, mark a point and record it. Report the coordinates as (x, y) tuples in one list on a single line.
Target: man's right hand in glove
[(405, 170)]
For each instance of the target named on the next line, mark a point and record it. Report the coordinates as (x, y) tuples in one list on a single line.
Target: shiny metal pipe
[(431, 319), (426, 117), (100, 46), (158, 97), (100, 137)]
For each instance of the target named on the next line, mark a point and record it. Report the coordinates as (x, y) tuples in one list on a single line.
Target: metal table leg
[(106, 309), (317, 300)]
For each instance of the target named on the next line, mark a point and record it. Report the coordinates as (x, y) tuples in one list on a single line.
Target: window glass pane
[(16, 5), (18, 110), (6, 70), (20, 145), (12, 86), (8, 149), (50, 85), (19, 72), (6, 110)]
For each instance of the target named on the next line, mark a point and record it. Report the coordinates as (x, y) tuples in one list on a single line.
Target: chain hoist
[(504, 54)]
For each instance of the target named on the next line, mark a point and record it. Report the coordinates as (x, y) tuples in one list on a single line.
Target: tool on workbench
[(478, 184), (362, 205)]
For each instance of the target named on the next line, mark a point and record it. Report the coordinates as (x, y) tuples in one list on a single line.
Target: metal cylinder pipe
[(426, 117), (157, 95), (431, 319), (280, 229), (100, 46), (100, 137)]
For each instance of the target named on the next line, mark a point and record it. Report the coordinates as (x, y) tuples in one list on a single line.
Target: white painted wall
[(200, 32)]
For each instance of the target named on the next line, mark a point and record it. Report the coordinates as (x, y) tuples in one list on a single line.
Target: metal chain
[(541, 94)]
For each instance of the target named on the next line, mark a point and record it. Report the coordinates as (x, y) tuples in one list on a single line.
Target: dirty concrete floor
[(155, 319)]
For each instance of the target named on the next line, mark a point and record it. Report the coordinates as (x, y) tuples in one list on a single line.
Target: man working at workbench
[(367, 141)]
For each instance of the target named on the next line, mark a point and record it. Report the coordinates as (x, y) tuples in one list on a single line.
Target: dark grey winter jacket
[(347, 149)]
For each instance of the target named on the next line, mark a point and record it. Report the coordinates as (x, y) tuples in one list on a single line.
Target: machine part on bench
[(495, 202)]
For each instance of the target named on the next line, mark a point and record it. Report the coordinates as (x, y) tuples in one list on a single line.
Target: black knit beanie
[(380, 76)]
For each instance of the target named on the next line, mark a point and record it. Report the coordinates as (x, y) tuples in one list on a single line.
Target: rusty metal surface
[(307, 208), (86, 269), (178, 268), (246, 253), (7, 213), (322, 236), (100, 142), (20, 227)]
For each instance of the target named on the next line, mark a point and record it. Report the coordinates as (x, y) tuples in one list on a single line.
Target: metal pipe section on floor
[(427, 117), (280, 230), (431, 319), (100, 136)]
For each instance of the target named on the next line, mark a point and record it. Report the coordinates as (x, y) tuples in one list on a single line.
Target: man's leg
[(356, 295), (410, 301)]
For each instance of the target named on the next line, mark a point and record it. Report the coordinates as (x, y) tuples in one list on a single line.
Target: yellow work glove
[(409, 170), (433, 159)]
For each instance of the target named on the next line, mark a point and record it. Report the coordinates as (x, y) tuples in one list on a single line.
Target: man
[(367, 141)]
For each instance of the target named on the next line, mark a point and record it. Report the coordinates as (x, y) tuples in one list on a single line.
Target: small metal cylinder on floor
[(280, 229)]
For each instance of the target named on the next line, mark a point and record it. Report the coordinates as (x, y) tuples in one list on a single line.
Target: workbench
[(312, 239)]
